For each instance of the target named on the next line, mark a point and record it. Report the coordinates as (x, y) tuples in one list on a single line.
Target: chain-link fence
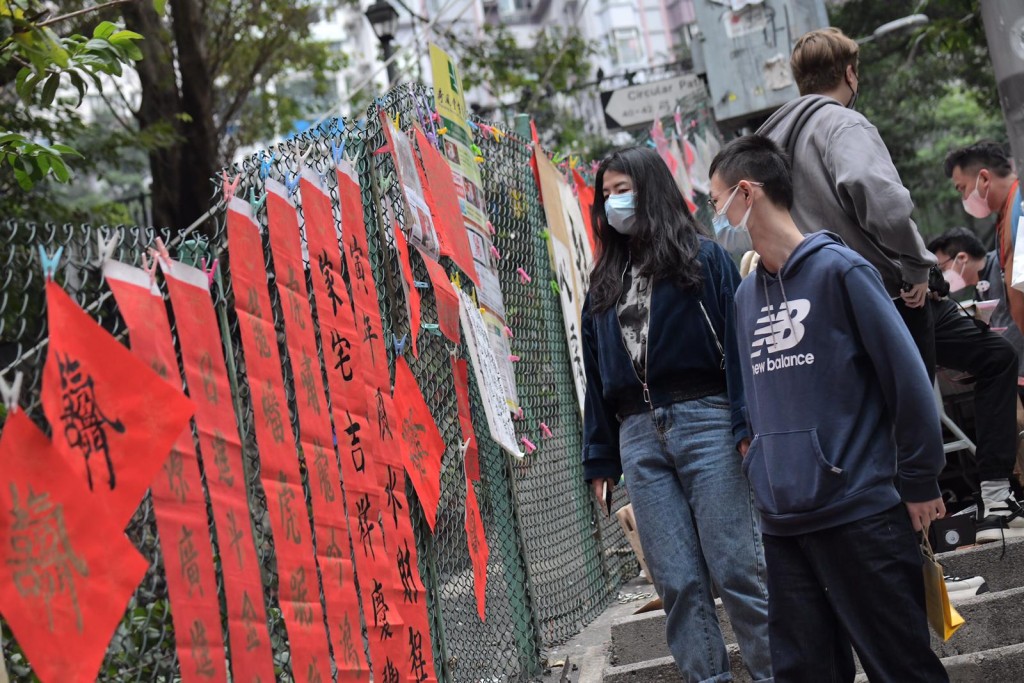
[(555, 562)]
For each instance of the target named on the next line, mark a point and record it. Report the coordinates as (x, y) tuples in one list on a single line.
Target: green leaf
[(160, 6), (60, 171), (124, 36), (79, 83), (64, 149), (24, 180), (104, 30), (50, 89), (56, 51)]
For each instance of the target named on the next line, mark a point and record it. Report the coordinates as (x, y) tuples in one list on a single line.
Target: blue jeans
[(858, 583), (697, 525)]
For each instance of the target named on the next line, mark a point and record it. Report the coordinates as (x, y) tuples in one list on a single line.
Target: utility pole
[(1004, 31)]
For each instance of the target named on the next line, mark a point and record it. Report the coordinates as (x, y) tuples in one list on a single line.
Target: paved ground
[(586, 652)]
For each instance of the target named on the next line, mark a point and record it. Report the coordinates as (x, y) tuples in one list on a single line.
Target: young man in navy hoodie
[(847, 450)]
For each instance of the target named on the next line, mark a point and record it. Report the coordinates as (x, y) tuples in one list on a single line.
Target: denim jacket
[(684, 358)]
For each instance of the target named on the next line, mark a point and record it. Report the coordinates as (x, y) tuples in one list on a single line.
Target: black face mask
[(852, 104)]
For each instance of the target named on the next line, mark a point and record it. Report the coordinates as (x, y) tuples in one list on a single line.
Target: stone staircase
[(988, 648)]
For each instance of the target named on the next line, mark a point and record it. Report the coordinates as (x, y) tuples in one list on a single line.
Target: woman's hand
[(743, 447)]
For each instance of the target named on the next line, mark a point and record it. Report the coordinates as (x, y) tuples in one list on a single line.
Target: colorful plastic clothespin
[(513, 358), (435, 117), (396, 120), (400, 343), (50, 263), (519, 414), (530, 448), (291, 181), (442, 130), (265, 165), (256, 204), (106, 247), (464, 446), (524, 277), (508, 332), (149, 266), (545, 234), (555, 288), (228, 187), (11, 392), (161, 251), (361, 124), (212, 271), (420, 284), (557, 159), (301, 157), (338, 152), (491, 228), (457, 279), (432, 136), (495, 253), (379, 101), (432, 328), (546, 431)]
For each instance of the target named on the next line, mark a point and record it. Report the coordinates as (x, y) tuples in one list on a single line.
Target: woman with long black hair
[(665, 406)]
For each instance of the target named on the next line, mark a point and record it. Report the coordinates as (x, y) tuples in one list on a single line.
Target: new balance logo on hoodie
[(781, 331)]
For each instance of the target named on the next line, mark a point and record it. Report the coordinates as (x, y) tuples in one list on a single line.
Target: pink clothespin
[(494, 252), (229, 186), (530, 448), (435, 117), (524, 277), (484, 128), (490, 226), (545, 430), (508, 332), (212, 270), (519, 414), (149, 266), (513, 357), (161, 252)]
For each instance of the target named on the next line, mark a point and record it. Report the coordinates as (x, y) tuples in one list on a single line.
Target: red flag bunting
[(424, 446), (460, 369), (178, 501), (445, 300), (329, 520), (66, 568), (279, 467), (443, 200), (206, 374), (479, 552), (401, 546), (343, 352), (113, 418)]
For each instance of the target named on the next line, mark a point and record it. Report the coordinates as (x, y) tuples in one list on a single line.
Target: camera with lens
[(936, 283)]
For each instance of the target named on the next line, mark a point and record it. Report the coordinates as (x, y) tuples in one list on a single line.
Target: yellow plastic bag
[(942, 617)]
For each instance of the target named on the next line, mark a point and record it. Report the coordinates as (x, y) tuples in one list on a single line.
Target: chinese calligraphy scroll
[(329, 519), (66, 568), (356, 436), (423, 446), (460, 370), (479, 552), (178, 501), (207, 378), (279, 472), (100, 401), (446, 303)]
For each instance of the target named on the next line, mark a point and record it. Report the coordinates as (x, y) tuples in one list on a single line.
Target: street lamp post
[(1004, 30), (384, 21)]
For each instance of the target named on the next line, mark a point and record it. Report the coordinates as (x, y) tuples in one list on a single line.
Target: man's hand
[(743, 447), (598, 486), (915, 298), (922, 514)]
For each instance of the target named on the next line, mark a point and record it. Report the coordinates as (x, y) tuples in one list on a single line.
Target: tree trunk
[(199, 159), (160, 105)]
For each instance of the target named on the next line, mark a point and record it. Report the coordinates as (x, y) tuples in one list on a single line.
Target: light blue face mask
[(620, 211), (734, 238)]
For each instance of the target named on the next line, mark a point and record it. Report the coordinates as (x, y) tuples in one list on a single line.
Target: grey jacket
[(844, 181)]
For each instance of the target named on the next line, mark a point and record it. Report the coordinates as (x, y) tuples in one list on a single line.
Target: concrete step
[(641, 637), (991, 620), (997, 665), (1001, 570), (663, 670)]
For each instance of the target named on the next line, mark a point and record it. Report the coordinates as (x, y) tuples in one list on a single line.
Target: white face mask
[(620, 211), (976, 205), (734, 238)]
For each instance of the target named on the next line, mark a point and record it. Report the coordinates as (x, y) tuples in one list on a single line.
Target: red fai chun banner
[(446, 301), (585, 193), (400, 540), (424, 447), (342, 342), (478, 549), (113, 418), (203, 359), (443, 199), (329, 520), (279, 471), (412, 295), (178, 500), (460, 369), (66, 568)]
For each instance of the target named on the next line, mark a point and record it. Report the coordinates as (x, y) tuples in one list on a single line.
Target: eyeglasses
[(713, 201)]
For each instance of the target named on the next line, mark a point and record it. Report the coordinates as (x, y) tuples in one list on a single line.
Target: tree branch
[(87, 10), (240, 97)]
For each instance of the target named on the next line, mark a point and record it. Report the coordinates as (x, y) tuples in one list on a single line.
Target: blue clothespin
[(50, 263), (650, 143), (379, 101), (432, 328), (256, 204), (420, 284), (361, 124), (474, 127), (291, 181), (400, 344), (338, 152), (265, 165)]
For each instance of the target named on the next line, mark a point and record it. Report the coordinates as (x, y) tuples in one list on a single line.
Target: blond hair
[(820, 59)]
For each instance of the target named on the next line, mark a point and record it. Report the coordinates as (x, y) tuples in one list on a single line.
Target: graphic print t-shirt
[(634, 316)]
